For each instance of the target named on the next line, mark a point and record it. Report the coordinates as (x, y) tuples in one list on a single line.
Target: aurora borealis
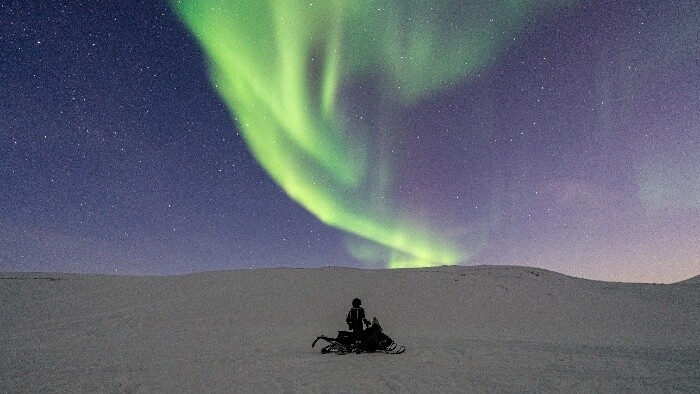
[(195, 135), (282, 65)]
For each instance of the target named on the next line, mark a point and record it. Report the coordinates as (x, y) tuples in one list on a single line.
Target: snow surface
[(466, 329)]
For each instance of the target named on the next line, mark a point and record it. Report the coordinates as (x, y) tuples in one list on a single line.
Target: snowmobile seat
[(346, 338)]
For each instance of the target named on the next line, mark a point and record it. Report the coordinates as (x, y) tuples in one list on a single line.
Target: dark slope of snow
[(693, 280), (465, 328)]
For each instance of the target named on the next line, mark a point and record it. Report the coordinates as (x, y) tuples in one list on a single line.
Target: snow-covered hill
[(503, 329)]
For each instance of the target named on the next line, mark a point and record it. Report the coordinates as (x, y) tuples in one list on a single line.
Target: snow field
[(466, 329)]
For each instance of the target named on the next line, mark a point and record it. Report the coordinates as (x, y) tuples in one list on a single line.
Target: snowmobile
[(370, 340)]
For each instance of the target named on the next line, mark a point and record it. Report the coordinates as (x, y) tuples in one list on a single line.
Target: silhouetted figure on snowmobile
[(356, 317), (359, 341)]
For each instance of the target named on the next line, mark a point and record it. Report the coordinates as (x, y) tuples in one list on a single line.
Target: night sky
[(141, 138)]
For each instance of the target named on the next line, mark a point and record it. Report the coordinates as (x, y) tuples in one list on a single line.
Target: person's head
[(356, 303)]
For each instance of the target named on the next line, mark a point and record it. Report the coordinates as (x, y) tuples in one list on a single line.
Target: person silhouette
[(356, 316)]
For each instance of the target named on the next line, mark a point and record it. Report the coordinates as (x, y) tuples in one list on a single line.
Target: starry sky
[(145, 137)]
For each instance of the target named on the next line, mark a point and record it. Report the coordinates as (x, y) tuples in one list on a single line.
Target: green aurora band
[(281, 66)]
